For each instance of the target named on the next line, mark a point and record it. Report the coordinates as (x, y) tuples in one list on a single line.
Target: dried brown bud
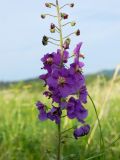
[(52, 26), (77, 32), (64, 15)]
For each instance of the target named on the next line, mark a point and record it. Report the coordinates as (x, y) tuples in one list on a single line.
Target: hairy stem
[(61, 47), (60, 26)]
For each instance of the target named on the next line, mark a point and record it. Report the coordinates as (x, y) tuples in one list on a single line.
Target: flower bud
[(77, 32), (43, 16), (66, 43), (64, 15), (45, 40), (48, 5), (72, 5), (73, 23), (52, 26)]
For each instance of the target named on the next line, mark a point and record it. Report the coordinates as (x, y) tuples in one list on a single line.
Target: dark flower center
[(61, 80), (49, 60)]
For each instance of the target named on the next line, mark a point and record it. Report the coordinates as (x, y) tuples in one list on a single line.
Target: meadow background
[(24, 137)]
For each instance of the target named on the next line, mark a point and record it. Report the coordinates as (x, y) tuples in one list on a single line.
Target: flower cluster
[(66, 87)]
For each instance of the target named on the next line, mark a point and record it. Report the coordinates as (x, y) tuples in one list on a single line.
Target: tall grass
[(24, 137)]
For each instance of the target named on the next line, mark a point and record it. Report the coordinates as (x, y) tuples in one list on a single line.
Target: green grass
[(24, 137)]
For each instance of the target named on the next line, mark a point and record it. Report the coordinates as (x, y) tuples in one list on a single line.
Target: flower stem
[(61, 47), (60, 26), (102, 146), (59, 142)]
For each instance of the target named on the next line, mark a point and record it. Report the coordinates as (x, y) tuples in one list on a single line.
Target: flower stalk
[(63, 82), (60, 26), (59, 142), (61, 46)]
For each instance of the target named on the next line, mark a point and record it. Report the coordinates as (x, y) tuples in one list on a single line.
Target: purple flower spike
[(82, 131)]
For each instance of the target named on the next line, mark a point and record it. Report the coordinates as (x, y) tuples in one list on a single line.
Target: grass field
[(24, 137)]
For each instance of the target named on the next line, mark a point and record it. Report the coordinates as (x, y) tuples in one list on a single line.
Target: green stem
[(59, 142), (66, 24), (64, 5), (67, 130), (50, 15), (60, 26), (102, 147), (69, 35)]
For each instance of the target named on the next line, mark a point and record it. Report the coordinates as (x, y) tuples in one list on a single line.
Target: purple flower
[(54, 114), (77, 54), (44, 77), (65, 55), (56, 96), (82, 131), (50, 59), (79, 79), (77, 49), (76, 110), (62, 81), (42, 112), (83, 94), (54, 60)]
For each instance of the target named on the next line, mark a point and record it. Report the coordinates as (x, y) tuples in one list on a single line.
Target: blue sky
[(21, 31)]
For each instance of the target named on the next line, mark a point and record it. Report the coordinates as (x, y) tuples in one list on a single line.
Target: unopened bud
[(52, 26), (77, 32), (64, 15), (68, 40), (66, 43), (48, 5), (72, 5), (45, 40), (73, 23), (43, 16)]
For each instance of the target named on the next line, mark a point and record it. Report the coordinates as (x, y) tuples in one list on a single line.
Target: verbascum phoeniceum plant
[(64, 82)]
